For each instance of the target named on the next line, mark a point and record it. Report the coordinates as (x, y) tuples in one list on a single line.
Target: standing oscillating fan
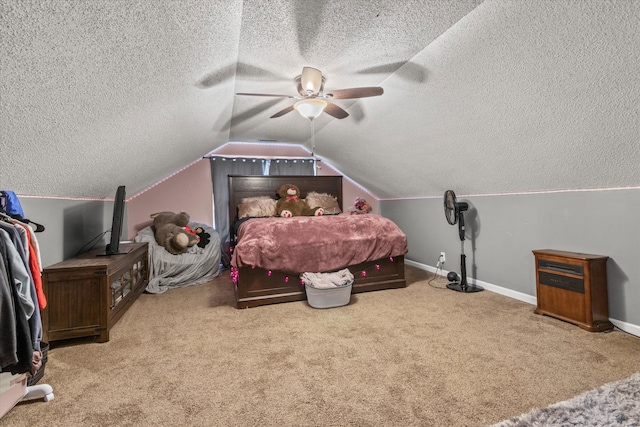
[(453, 211)]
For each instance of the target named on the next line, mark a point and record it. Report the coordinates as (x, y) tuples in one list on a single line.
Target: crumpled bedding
[(316, 243), (337, 279), (194, 267)]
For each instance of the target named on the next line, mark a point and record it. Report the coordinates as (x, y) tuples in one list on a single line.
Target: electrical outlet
[(442, 257)]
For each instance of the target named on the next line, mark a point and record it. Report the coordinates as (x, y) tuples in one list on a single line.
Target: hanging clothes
[(21, 293), (30, 243), (20, 304), (33, 260), (35, 321), (16, 350)]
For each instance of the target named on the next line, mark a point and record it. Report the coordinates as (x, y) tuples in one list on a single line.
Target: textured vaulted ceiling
[(481, 97)]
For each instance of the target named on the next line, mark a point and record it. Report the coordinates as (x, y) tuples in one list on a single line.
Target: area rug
[(613, 404)]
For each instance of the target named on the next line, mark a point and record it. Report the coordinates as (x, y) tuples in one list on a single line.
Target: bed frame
[(256, 286)]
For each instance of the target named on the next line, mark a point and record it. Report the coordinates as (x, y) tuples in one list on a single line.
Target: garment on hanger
[(33, 261), (21, 293), (35, 322), (16, 350), (32, 255)]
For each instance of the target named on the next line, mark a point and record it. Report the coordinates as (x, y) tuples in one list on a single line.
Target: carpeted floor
[(419, 356)]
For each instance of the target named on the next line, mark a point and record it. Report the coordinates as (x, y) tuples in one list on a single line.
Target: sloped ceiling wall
[(100, 93), (481, 97), (520, 96)]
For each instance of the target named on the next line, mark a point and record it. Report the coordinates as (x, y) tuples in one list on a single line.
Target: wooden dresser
[(573, 286), (87, 295)]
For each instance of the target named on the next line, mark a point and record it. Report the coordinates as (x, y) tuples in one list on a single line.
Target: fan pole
[(463, 286), (463, 269), (463, 266)]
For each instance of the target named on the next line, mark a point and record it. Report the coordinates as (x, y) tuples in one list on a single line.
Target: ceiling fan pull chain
[(313, 137)]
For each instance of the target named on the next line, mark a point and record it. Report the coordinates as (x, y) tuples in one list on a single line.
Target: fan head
[(450, 207)]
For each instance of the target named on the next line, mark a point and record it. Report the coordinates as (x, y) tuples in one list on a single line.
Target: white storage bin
[(328, 297)]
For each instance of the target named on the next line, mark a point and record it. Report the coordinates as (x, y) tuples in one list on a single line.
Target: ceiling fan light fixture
[(310, 108), (311, 80)]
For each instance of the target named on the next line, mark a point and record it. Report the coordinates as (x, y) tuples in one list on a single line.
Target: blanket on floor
[(196, 266)]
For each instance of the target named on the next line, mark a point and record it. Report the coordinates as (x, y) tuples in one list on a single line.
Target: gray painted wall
[(501, 233), (69, 225), (503, 230)]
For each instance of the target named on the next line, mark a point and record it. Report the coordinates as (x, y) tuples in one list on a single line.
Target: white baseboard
[(623, 326), (629, 328)]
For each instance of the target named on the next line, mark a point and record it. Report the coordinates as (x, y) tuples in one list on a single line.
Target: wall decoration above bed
[(269, 254)]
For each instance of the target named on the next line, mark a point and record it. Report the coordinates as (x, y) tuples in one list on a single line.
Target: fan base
[(459, 287)]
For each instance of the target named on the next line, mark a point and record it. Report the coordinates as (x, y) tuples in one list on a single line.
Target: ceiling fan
[(313, 100)]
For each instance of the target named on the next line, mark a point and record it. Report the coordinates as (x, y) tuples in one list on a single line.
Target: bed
[(196, 266), (259, 278)]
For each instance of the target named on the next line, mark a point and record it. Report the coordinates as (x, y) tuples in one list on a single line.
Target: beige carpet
[(419, 356)]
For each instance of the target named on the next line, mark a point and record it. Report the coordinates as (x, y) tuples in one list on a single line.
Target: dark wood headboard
[(241, 186)]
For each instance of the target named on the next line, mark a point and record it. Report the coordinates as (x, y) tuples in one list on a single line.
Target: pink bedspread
[(316, 244)]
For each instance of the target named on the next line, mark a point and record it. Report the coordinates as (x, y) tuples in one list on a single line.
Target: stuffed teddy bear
[(361, 206), (290, 204), (170, 231)]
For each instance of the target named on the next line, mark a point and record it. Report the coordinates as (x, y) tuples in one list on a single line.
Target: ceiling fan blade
[(283, 112), (335, 111), (356, 92), (265, 94)]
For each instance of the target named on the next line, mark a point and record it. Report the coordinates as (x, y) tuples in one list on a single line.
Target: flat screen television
[(113, 247)]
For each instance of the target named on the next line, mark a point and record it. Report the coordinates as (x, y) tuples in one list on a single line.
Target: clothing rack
[(39, 228), (14, 388)]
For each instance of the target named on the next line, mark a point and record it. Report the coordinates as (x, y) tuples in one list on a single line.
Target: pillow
[(323, 200), (254, 198), (257, 207)]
